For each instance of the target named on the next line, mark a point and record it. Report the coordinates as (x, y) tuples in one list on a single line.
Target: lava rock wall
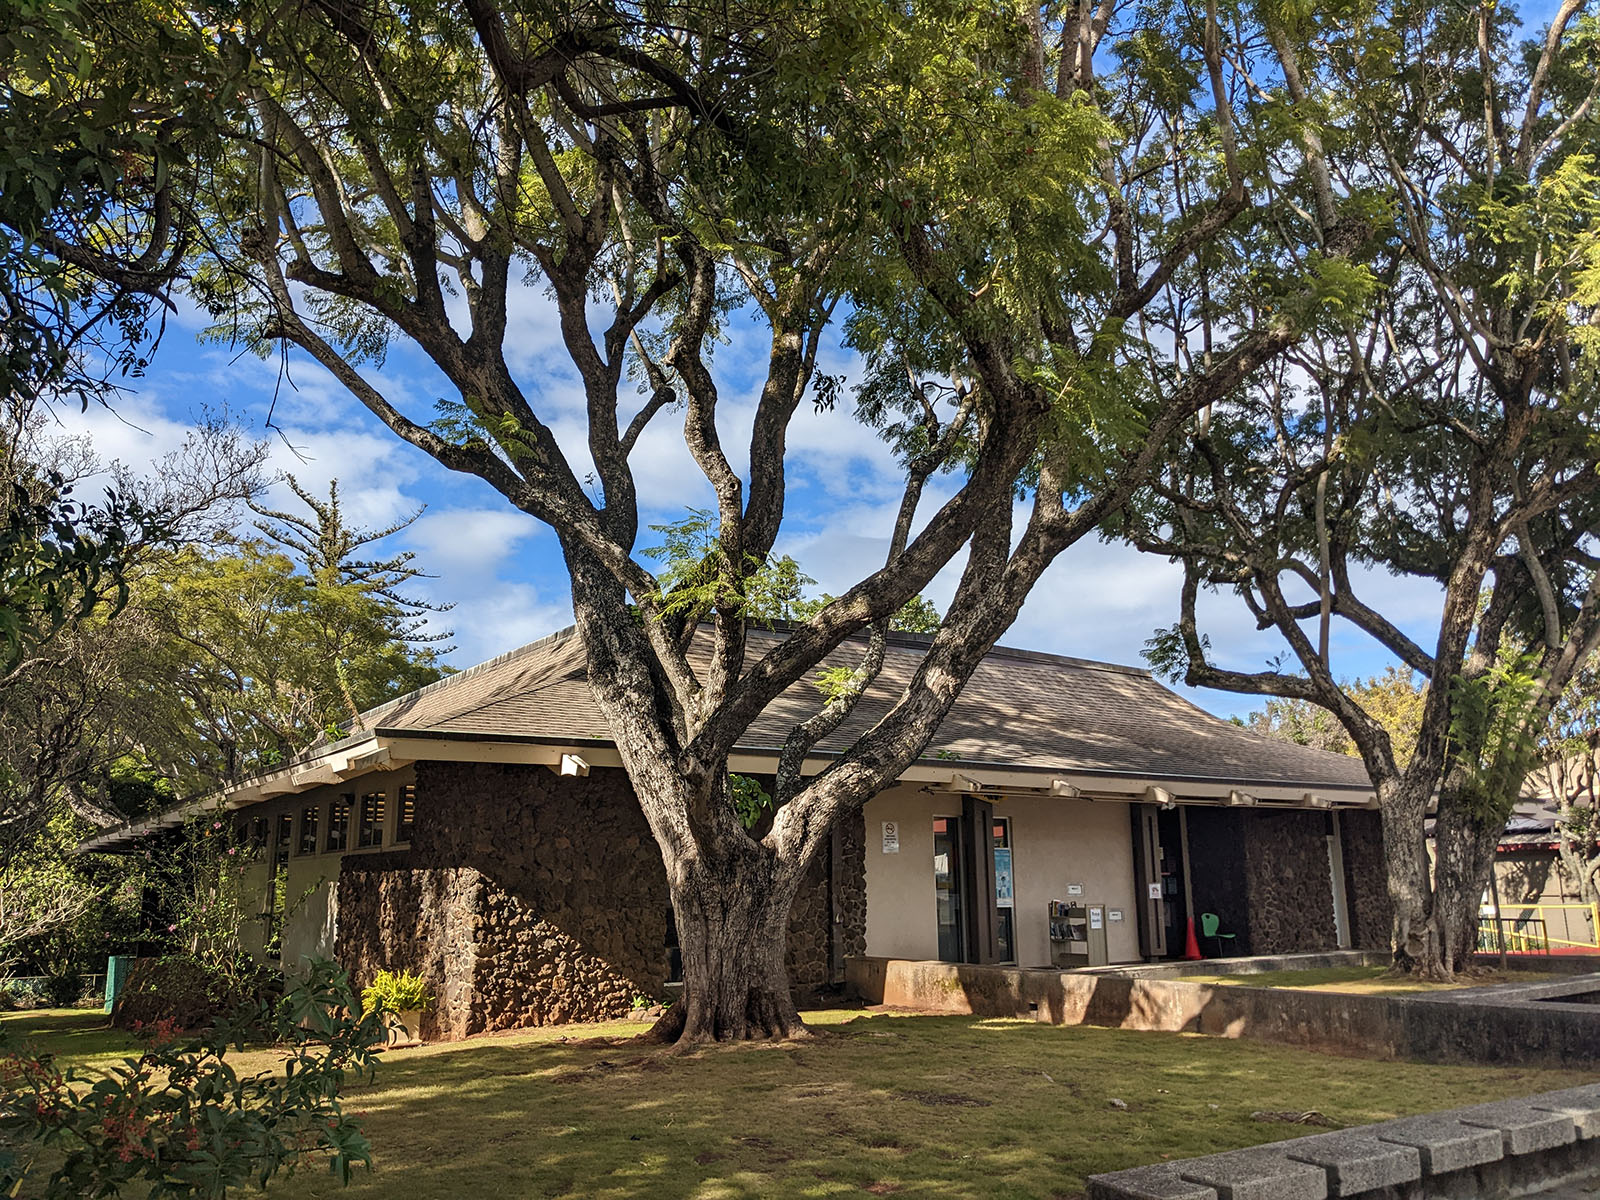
[(530, 898)]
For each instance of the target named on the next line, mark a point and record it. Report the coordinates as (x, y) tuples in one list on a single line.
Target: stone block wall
[(1265, 874), (572, 919), (829, 919), (395, 918), (1287, 881), (529, 898), (1366, 885)]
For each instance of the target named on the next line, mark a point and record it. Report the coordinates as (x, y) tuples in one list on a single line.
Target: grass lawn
[(877, 1104), (1368, 981)]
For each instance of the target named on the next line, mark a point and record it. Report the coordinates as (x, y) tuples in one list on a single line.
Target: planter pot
[(405, 1027)]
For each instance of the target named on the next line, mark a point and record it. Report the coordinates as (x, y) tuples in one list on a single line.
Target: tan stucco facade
[(311, 891), (1055, 842)]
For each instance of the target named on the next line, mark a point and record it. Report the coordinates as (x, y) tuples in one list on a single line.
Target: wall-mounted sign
[(1003, 895), (1114, 914), (891, 837), (1095, 913), (1155, 891), (1074, 889)]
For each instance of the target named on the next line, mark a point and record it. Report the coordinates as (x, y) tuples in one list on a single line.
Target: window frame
[(369, 833), (346, 801)]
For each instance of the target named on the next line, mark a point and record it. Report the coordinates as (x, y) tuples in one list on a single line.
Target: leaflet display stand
[(1077, 934)]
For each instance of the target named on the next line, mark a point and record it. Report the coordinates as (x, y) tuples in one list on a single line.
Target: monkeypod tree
[(1443, 427), (989, 200)]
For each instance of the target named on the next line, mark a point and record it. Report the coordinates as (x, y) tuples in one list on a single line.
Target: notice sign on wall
[(891, 837), (1155, 891), (1094, 917), (1003, 894), (1114, 914), (1074, 889)]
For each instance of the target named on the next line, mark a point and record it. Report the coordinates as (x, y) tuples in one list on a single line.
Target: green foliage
[(696, 579), (202, 891), (396, 992), (1494, 735), (180, 1121), (181, 991), (103, 109), (258, 652), (60, 560), (751, 801), (1394, 699)]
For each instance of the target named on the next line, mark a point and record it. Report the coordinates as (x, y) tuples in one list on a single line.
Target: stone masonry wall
[(528, 898), (1366, 879), (829, 919), (394, 918), (1287, 882), (573, 912)]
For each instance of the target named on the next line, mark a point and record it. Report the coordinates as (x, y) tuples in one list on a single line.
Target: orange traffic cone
[(1191, 946)]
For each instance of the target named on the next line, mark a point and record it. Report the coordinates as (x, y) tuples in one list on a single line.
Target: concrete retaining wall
[(1461, 1026), (1511, 1148)]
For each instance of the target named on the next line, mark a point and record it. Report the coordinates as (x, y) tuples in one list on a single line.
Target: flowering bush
[(204, 888), (182, 1121)]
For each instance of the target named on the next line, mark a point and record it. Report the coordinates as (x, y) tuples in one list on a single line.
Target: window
[(308, 830), (407, 818), (258, 833), (339, 822), (283, 839), (370, 830), (1004, 892)]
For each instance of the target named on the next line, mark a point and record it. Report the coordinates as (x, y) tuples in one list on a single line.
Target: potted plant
[(404, 996)]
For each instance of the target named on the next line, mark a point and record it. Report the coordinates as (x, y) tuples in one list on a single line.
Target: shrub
[(63, 991), (191, 994), (397, 991), (180, 1121), (23, 994)]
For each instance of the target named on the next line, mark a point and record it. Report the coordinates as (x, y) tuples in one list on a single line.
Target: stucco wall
[(1054, 842)]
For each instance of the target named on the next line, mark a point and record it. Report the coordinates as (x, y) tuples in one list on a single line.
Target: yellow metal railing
[(1539, 927)]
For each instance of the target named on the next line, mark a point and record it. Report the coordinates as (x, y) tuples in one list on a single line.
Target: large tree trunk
[(733, 933), (1465, 838), (1417, 949)]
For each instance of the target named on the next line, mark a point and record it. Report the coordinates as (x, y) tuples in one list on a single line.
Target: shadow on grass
[(75, 1033), (913, 1106)]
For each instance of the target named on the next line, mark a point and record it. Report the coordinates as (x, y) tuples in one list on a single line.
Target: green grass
[(76, 1035), (1368, 981), (875, 1104)]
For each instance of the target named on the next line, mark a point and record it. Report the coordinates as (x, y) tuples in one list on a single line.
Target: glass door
[(947, 888), (1004, 892)]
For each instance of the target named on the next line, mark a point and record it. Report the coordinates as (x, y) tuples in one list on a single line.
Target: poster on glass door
[(1002, 877)]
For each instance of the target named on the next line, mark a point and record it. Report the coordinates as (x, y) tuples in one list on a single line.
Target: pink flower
[(172, 929), (216, 824), (233, 849)]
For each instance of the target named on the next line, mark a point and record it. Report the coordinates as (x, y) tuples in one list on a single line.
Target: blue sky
[(502, 570)]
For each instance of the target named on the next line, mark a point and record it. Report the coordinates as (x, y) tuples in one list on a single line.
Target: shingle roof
[(1021, 709)]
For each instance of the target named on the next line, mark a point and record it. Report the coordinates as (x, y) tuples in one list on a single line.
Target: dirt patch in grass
[(533, 1115), (1367, 981)]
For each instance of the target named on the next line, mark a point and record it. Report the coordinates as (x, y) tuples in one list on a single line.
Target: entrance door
[(947, 863), (1147, 879)]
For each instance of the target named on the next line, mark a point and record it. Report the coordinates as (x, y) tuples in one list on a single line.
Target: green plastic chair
[(1211, 928)]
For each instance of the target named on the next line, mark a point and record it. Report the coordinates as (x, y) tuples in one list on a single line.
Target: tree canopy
[(1439, 426)]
